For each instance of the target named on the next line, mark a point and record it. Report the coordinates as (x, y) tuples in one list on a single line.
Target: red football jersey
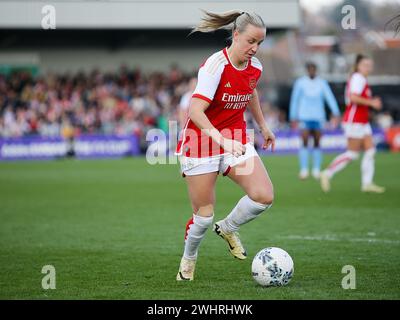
[(356, 113), (228, 90)]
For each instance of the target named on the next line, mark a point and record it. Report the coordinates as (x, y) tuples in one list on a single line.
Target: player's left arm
[(330, 99), (255, 109), (332, 103)]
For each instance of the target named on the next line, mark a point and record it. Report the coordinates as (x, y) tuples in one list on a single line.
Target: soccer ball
[(272, 267)]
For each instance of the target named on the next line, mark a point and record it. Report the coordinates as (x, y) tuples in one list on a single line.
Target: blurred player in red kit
[(357, 129)]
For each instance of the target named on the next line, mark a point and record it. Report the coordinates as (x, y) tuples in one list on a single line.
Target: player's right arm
[(357, 83), (374, 103), (294, 103)]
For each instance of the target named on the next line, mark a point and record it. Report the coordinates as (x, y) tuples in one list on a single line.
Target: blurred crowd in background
[(122, 103)]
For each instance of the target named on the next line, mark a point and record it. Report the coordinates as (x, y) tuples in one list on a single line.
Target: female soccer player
[(214, 138), (357, 128), (307, 108)]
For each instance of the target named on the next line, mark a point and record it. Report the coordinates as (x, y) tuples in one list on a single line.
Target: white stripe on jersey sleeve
[(210, 74), (256, 63), (357, 83)]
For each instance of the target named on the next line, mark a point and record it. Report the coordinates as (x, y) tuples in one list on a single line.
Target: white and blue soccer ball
[(272, 267)]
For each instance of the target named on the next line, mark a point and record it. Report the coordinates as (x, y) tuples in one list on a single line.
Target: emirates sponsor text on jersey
[(236, 101)]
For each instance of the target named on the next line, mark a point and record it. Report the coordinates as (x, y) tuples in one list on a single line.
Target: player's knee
[(353, 155), (370, 153), (206, 211), (262, 196)]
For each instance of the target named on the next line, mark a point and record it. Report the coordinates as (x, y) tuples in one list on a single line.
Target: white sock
[(368, 167), (195, 231), (340, 162), (245, 211)]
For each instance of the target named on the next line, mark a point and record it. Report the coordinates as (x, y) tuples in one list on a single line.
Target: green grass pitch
[(113, 229)]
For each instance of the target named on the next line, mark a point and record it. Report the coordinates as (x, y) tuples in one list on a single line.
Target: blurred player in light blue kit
[(307, 112)]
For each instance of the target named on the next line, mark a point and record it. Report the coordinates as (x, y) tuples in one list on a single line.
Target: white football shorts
[(219, 163), (356, 130)]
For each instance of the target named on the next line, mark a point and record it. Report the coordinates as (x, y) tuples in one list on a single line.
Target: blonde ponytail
[(230, 20)]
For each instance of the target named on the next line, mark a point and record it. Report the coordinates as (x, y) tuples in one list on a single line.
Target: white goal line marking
[(336, 238)]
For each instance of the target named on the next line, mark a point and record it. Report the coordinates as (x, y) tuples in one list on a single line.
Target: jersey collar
[(229, 60)]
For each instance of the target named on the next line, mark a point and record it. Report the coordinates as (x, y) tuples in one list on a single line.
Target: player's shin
[(317, 160), (195, 231), (340, 162), (303, 161), (368, 167), (245, 211)]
